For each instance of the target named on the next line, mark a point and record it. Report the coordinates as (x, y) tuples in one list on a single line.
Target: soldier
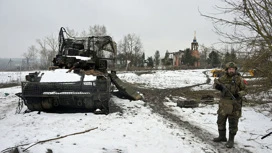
[(232, 87)]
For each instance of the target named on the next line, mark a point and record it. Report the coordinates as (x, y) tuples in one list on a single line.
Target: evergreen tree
[(213, 59), (227, 58), (150, 62), (166, 61), (157, 58), (188, 59), (143, 60), (233, 55)]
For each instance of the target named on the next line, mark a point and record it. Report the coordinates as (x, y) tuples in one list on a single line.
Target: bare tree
[(97, 30), (47, 50), (84, 34), (250, 22), (30, 57), (131, 46), (45, 60), (71, 32), (52, 43)]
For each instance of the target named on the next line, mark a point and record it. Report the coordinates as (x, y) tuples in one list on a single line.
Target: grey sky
[(161, 24)]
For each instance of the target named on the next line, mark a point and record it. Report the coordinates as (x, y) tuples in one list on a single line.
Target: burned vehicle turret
[(79, 77), (88, 52)]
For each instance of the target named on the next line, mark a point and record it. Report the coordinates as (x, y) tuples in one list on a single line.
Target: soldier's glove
[(219, 86), (241, 93)]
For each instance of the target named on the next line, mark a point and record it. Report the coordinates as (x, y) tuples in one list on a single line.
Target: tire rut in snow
[(155, 98)]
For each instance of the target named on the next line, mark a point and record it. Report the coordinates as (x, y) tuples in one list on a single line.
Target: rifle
[(226, 89)]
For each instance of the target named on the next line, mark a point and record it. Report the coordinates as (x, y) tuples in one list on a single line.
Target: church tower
[(194, 44), (194, 51)]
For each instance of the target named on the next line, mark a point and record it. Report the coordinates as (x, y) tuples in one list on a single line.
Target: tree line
[(130, 52)]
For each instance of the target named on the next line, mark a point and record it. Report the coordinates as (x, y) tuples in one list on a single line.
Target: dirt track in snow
[(155, 98)]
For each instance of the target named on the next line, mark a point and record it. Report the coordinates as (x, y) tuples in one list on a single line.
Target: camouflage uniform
[(232, 89)]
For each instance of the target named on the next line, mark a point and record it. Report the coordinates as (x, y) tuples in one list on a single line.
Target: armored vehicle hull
[(51, 96)]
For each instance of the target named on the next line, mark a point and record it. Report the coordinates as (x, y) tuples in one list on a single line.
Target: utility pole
[(8, 67)]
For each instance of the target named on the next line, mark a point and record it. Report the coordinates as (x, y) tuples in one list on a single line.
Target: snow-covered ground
[(8, 77), (166, 79), (136, 128), (254, 123)]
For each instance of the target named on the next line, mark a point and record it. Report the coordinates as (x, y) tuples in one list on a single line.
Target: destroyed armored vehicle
[(90, 61)]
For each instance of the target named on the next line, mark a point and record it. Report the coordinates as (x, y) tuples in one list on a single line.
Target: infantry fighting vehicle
[(83, 58)]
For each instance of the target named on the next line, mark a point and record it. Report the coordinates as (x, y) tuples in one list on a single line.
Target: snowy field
[(166, 79), (13, 77), (136, 128)]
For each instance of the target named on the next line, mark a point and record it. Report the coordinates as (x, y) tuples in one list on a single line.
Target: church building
[(194, 51)]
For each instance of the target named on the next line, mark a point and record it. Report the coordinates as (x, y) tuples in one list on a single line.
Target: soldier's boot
[(222, 136), (230, 142)]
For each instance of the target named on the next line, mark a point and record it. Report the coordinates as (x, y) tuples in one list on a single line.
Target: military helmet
[(231, 65)]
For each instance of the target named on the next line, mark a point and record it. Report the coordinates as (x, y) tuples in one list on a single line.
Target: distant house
[(177, 58)]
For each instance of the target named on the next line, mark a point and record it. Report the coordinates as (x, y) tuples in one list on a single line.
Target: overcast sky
[(161, 24)]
